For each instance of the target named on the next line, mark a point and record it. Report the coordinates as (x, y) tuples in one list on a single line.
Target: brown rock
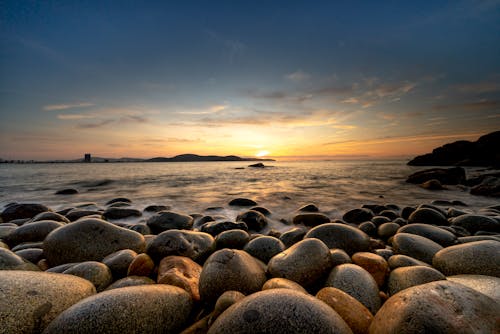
[(283, 283), (141, 265), (375, 264), (180, 271)]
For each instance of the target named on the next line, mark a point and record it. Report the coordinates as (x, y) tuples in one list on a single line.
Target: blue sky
[(291, 78)]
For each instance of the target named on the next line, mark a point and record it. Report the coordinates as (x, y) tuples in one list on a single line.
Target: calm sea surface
[(335, 186)]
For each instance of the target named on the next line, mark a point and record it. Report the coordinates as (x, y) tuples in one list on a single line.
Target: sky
[(287, 79)]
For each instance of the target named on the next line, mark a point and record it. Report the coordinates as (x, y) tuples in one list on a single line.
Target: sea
[(193, 187)]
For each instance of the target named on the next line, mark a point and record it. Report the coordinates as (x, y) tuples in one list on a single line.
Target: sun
[(262, 153)]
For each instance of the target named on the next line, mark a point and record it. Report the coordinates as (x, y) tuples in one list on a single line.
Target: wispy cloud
[(94, 125), (479, 105), (205, 111), (75, 116), (478, 87), (298, 76), (59, 107)]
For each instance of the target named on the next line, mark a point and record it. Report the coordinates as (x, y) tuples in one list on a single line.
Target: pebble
[(118, 262), (156, 208), (89, 240), (282, 283), (77, 214), (339, 257), (406, 277), (427, 215), (293, 236), (434, 233), (215, 228), (31, 300), (168, 220), (180, 271), (437, 307), (67, 191), (19, 211), (141, 265), (387, 230), (309, 208), (29, 232), (375, 264), (345, 237), (279, 311), (399, 260), (152, 308), (418, 247), (236, 239), (130, 281), (255, 220), (32, 255), (48, 215), (474, 223), (12, 261), (310, 219), (96, 272), (227, 299), (119, 199), (264, 248), (242, 202), (120, 213), (358, 216)]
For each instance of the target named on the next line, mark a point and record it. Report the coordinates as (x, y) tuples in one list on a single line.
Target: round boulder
[(310, 219), (264, 248), (427, 216), (236, 239), (19, 211), (434, 233), (118, 262), (487, 285), (406, 277), (357, 216), (120, 213), (474, 223), (413, 245), (255, 220), (345, 237), (95, 272), (168, 220), (36, 231)]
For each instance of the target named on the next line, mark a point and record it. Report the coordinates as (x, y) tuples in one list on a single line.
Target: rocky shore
[(380, 269)]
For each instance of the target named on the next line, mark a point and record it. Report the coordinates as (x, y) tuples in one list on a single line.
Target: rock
[(387, 230), (293, 236), (310, 219), (427, 216), (230, 269), (418, 247), (12, 261), (48, 215), (120, 213), (345, 237), (264, 248), (76, 214), (25, 245), (89, 240), (490, 186), (279, 311), (95, 272), (141, 228), (436, 234), (235, 239), (67, 191), (180, 271), (339, 257), (475, 258), (406, 277), (5, 230), (141, 265), (309, 208), (474, 223), (262, 210), (282, 283), (369, 228), (487, 285), (29, 301), (119, 205), (227, 299), (61, 268), (151, 308), (472, 238), (32, 255), (454, 175), (390, 214), (257, 165), (355, 314), (36, 231), (242, 202), (358, 283), (376, 265), (398, 260), (255, 220), (432, 184), (358, 216), (437, 307), (118, 262), (168, 220), (156, 208), (118, 199), (214, 228), (19, 211), (384, 252), (306, 262), (195, 245), (130, 281)]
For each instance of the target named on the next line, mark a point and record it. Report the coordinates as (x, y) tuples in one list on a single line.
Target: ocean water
[(334, 186)]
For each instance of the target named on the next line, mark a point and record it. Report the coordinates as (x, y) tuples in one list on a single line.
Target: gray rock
[(255, 220), (89, 240), (230, 269), (215, 228), (154, 308), (156, 208), (437, 307), (130, 281), (140, 228), (76, 214), (487, 285), (19, 211), (473, 238), (29, 301), (345, 237), (12, 261), (168, 220), (339, 257), (25, 245), (425, 215), (358, 283), (387, 230), (36, 231), (119, 261), (95, 272), (306, 262), (279, 311), (293, 236), (235, 239), (474, 223), (475, 258), (418, 247), (195, 245), (48, 215), (310, 219), (358, 216), (406, 277), (434, 233), (32, 255), (398, 260), (5, 230), (119, 213), (264, 248)]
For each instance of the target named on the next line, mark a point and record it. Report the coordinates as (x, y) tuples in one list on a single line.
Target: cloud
[(74, 116), (298, 76), (59, 107), (206, 111), (480, 105), (94, 125), (478, 87)]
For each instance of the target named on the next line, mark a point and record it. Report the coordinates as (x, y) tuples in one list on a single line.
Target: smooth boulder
[(406, 277), (413, 245), (335, 235), (168, 220)]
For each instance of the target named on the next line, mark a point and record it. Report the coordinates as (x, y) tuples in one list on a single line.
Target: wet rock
[(398, 260), (195, 245), (487, 285), (48, 215), (180, 271), (95, 272), (242, 202), (5, 230), (406, 277), (279, 311), (345, 237), (31, 300), (119, 205), (309, 208), (391, 214), (454, 175), (227, 299), (19, 211), (255, 220), (168, 220), (293, 236), (141, 265), (32, 255), (120, 213), (282, 283), (130, 281), (29, 232), (473, 238), (306, 262), (358, 283), (384, 252), (434, 233), (387, 230), (264, 248), (67, 191), (475, 258), (235, 239), (439, 307), (358, 216), (262, 210), (474, 223), (89, 240), (427, 216), (25, 245), (156, 208), (379, 220), (369, 228), (162, 309), (12, 261), (376, 265), (339, 257), (432, 184), (118, 199), (310, 219), (489, 186), (76, 214), (230, 269), (257, 165), (61, 268), (141, 228), (214, 228), (118, 262), (413, 245), (355, 314)]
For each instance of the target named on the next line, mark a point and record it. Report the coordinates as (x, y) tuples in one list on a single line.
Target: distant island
[(177, 158)]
